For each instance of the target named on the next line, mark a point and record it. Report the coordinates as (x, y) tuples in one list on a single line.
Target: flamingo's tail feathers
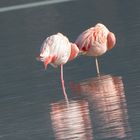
[(111, 40), (74, 51)]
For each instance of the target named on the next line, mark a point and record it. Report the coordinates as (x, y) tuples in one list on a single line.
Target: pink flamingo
[(95, 41), (57, 50)]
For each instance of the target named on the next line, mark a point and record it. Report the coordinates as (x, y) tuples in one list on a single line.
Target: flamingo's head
[(111, 40), (74, 51)]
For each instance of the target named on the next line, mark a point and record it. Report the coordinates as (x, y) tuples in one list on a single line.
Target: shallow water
[(32, 105)]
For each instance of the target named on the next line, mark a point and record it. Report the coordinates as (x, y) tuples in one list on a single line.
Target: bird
[(57, 50), (96, 41)]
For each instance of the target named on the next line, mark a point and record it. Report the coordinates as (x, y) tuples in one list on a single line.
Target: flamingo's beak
[(111, 40)]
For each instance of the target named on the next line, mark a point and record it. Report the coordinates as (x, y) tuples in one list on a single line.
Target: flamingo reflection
[(108, 106), (71, 122)]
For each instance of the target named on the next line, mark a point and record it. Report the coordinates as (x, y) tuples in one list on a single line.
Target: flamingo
[(57, 50), (95, 41)]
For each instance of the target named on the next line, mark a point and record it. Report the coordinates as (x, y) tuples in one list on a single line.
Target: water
[(32, 105)]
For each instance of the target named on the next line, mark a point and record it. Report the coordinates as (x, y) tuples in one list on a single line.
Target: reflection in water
[(71, 122), (107, 119), (109, 111)]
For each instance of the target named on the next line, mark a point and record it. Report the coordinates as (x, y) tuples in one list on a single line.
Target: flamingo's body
[(95, 41), (57, 50)]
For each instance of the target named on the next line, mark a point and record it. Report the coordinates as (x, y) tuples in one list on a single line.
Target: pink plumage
[(57, 50), (96, 40)]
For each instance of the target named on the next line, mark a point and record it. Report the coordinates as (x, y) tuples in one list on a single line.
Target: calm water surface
[(32, 106)]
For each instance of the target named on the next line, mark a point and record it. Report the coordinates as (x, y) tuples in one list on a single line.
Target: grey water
[(32, 105)]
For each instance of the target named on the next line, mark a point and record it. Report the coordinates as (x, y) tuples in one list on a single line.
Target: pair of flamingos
[(58, 50)]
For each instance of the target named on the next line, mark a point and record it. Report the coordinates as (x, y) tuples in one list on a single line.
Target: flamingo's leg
[(63, 84), (97, 66)]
